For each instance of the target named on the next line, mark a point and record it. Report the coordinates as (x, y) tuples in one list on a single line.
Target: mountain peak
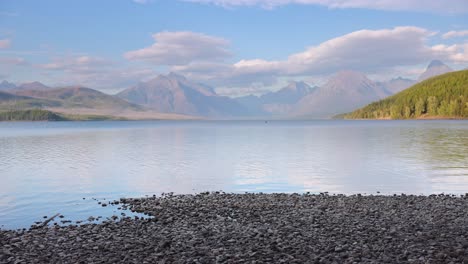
[(5, 85), (173, 75), (173, 93), (435, 67), (435, 63), (33, 86)]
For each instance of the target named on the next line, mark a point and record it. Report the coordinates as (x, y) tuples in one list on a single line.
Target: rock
[(257, 228)]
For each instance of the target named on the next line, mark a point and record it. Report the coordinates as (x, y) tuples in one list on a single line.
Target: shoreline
[(267, 228)]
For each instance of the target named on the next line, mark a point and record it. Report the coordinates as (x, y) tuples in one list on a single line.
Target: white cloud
[(369, 51), (243, 73), (207, 59), (5, 43), (457, 53), (436, 6), (455, 34), (141, 1), (179, 48), (364, 50)]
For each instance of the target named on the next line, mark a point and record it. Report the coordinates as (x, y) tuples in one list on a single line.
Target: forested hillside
[(444, 96)]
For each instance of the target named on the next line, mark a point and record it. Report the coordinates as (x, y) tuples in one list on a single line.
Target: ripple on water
[(49, 168)]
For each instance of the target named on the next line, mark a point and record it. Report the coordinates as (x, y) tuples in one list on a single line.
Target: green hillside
[(443, 96), (45, 115), (30, 115)]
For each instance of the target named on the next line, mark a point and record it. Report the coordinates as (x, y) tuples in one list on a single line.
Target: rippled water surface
[(48, 168)]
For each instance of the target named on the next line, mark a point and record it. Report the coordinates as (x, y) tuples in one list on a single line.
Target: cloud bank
[(205, 58), (209, 59), (434, 6), (455, 34), (174, 48)]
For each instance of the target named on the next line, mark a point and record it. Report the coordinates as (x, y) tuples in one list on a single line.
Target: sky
[(236, 46)]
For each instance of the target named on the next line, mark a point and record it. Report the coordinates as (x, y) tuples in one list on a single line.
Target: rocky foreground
[(259, 228)]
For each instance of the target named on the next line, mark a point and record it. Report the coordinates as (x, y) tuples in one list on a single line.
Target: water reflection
[(49, 167)]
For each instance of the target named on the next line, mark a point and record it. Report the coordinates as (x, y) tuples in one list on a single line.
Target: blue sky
[(234, 45)]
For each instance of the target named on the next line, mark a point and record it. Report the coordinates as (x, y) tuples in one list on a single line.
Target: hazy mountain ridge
[(5, 85), (345, 91), (396, 85), (435, 67), (279, 102), (173, 93), (4, 96), (78, 103), (80, 97), (8, 86)]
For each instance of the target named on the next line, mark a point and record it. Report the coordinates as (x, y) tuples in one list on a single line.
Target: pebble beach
[(258, 228)]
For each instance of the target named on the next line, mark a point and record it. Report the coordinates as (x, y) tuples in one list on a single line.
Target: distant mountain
[(62, 99), (345, 91), (396, 85), (11, 101), (80, 97), (4, 96), (76, 103), (8, 86), (173, 93), (444, 96), (33, 86), (279, 102), (288, 95), (252, 104), (5, 85), (434, 68)]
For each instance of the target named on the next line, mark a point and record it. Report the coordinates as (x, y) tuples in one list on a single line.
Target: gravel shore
[(259, 228)]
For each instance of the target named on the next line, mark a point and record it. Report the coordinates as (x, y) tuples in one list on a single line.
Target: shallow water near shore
[(48, 168)]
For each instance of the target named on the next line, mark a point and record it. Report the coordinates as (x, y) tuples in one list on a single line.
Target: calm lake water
[(48, 168)]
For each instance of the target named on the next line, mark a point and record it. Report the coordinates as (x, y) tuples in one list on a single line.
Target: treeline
[(30, 115), (444, 96)]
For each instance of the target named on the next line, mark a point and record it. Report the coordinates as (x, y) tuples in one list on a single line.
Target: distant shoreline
[(40, 115), (45, 115)]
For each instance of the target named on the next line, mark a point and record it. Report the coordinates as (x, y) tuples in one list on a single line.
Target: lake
[(66, 167)]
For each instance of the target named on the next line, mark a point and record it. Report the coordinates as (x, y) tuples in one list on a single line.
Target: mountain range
[(344, 92), (77, 101), (278, 103), (8, 86), (174, 96)]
